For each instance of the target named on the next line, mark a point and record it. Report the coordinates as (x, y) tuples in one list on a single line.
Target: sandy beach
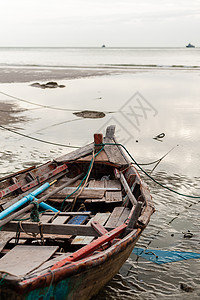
[(21, 74)]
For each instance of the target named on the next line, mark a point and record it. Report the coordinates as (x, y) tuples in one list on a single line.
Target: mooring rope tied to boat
[(48, 106), (148, 175), (84, 178), (38, 140)]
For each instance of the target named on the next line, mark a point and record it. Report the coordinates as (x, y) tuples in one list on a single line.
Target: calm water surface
[(142, 105), (93, 57)]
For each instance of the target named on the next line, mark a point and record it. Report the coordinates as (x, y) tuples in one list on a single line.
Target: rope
[(153, 179), (2, 279), (86, 180), (36, 139), (88, 171), (35, 217), (36, 104), (47, 106)]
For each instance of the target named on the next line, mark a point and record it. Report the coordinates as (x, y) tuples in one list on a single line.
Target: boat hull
[(83, 285)]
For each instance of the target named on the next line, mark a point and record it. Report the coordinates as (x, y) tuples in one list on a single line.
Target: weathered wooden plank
[(45, 218), (48, 228), (17, 173), (101, 187), (96, 184), (83, 151), (110, 131), (101, 157), (112, 184), (124, 216), (2, 245), (114, 218), (95, 200), (113, 196), (113, 153), (126, 187), (69, 213), (60, 220), (46, 265), (101, 218), (23, 259), (106, 184), (85, 194), (134, 218)]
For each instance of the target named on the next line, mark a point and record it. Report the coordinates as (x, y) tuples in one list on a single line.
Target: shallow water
[(142, 105)]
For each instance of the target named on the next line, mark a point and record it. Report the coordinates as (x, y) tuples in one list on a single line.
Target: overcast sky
[(115, 23)]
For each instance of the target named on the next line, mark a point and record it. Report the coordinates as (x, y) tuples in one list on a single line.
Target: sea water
[(153, 99), (93, 57)]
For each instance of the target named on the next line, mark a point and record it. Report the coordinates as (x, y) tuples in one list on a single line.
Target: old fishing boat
[(70, 224)]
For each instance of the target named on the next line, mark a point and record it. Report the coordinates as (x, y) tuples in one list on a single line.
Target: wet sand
[(9, 113), (17, 74)]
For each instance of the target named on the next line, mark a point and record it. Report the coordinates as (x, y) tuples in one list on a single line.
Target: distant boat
[(103, 46), (190, 46)]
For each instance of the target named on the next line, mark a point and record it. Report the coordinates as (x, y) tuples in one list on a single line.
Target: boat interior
[(89, 196)]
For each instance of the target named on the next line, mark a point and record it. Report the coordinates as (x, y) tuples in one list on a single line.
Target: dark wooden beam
[(65, 229)]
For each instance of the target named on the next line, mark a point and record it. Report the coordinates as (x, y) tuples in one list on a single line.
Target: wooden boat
[(73, 253)]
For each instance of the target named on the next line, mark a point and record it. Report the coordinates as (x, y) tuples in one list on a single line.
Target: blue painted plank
[(77, 220)]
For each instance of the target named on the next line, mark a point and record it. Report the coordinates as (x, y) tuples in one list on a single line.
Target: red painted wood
[(98, 138), (24, 188), (11, 189), (98, 227), (43, 178), (84, 251)]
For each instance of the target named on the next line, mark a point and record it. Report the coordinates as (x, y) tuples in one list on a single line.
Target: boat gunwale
[(80, 266)]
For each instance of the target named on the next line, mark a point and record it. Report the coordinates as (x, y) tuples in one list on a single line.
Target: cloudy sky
[(116, 23)]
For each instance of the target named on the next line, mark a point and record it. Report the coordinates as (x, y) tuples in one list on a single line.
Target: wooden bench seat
[(118, 217), (101, 218)]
